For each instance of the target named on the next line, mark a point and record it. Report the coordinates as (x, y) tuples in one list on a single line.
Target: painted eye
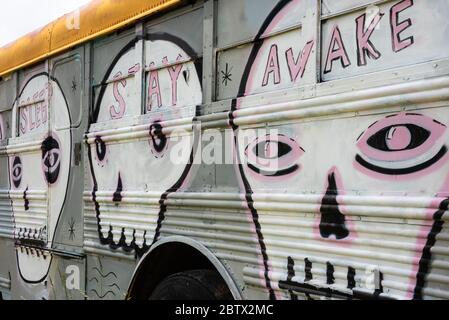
[(271, 149), (401, 144), (159, 140), (51, 159), (399, 138), (17, 171), (100, 148), (273, 155)]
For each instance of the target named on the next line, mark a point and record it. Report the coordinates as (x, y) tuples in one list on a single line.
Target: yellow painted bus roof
[(97, 18)]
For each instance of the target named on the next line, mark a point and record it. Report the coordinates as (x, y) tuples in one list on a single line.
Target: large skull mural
[(39, 164), (126, 168), (347, 178)]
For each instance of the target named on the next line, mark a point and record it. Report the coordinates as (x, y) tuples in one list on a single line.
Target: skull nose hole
[(117, 197), (333, 222)]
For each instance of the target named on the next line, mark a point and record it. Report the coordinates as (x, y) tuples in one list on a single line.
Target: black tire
[(192, 285)]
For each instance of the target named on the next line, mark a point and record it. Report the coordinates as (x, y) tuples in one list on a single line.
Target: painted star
[(72, 229), (74, 85), (226, 75)]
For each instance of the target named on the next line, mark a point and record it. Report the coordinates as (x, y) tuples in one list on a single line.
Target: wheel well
[(165, 260)]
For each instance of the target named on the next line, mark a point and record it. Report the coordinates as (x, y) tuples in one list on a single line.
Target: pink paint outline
[(298, 67), (406, 177), (115, 115), (350, 225), (364, 45), (339, 54), (436, 132), (268, 30), (423, 234), (398, 28)]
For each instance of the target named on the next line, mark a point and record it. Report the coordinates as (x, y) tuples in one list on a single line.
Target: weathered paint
[(339, 183)]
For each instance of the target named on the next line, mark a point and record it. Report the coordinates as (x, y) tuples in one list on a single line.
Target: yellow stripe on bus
[(95, 19)]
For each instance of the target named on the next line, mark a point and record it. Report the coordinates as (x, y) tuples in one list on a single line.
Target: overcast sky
[(18, 17)]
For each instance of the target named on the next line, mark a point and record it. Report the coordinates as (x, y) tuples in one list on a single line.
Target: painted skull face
[(146, 157), (364, 193), (39, 163)]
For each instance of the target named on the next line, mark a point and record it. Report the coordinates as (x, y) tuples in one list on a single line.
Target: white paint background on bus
[(318, 162)]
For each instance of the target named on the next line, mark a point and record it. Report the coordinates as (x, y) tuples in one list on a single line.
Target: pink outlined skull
[(39, 174), (144, 166), (346, 181)]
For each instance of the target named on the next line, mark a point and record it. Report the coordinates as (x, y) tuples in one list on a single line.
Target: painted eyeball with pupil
[(17, 171), (271, 149), (51, 159), (399, 137), (273, 155), (158, 138), (400, 145), (100, 147)]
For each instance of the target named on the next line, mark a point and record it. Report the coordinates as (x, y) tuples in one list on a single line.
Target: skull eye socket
[(399, 137), (158, 138), (271, 149), (51, 159), (100, 148), (17, 172), (401, 144), (273, 155)]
